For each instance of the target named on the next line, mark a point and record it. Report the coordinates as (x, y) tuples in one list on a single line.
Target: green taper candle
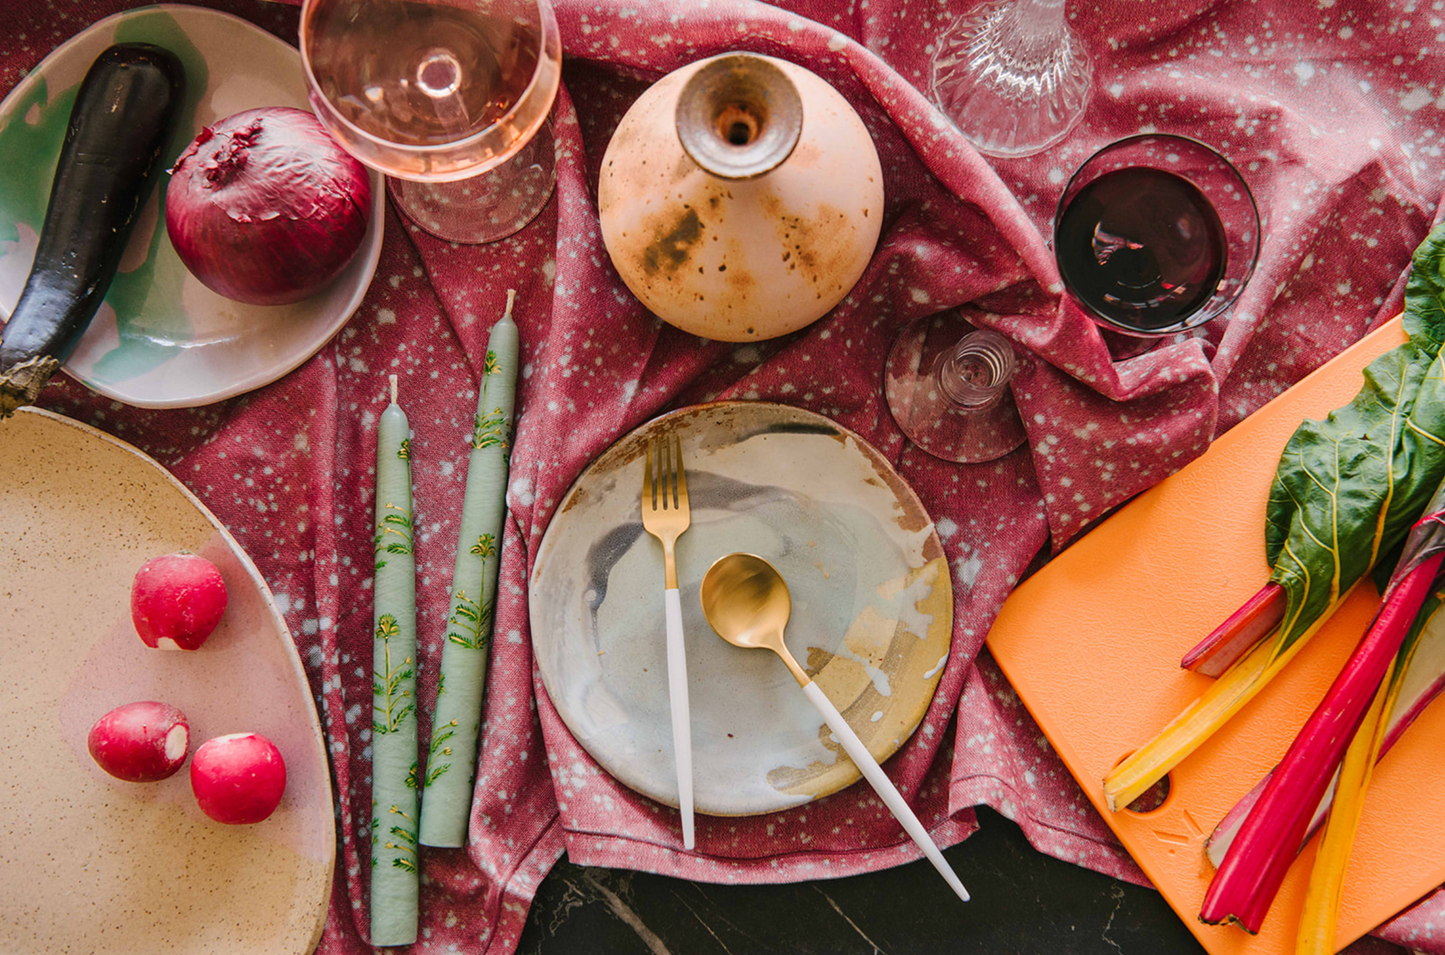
[(394, 884), (456, 727)]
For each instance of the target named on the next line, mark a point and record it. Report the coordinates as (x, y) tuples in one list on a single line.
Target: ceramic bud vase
[(741, 197)]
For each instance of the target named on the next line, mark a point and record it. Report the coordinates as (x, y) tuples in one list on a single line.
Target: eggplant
[(124, 116)]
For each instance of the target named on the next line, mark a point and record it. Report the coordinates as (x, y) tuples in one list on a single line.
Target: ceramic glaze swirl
[(872, 612)]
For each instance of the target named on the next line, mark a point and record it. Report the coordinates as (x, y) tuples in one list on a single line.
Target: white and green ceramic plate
[(872, 616), (162, 339)]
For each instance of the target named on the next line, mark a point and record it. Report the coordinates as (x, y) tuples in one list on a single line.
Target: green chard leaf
[(1349, 487), (1425, 291)]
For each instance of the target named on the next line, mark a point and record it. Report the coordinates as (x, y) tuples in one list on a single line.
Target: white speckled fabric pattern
[(1334, 110)]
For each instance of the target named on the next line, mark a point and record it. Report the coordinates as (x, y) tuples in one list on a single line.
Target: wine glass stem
[(975, 373), (1031, 29), (439, 76)]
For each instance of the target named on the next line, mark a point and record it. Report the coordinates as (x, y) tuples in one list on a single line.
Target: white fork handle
[(890, 795), (681, 724)]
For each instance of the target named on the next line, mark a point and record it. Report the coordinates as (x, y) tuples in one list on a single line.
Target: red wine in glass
[(1156, 234), (1141, 247)]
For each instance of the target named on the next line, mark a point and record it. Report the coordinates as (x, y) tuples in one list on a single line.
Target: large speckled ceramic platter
[(162, 339), (90, 863), (872, 613)]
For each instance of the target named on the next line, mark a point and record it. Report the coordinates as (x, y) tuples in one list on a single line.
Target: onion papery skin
[(266, 208)]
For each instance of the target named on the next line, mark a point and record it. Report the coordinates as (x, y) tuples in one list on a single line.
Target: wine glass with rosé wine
[(449, 98)]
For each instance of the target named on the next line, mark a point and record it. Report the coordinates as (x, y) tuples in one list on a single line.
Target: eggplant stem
[(20, 384)]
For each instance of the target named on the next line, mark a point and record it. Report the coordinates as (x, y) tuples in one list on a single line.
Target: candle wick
[(511, 296), (393, 389)]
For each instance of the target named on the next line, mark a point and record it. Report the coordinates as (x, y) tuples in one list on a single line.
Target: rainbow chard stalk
[(1417, 679), (1347, 490), (1320, 916), (1261, 852), (1240, 633)]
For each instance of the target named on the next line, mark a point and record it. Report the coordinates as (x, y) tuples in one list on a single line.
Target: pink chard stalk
[(1417, 679), (1244, 628), (1260, 853)]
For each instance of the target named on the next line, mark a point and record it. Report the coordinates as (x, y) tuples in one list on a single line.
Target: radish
[(176, 601), (239, 778), (140, 742)]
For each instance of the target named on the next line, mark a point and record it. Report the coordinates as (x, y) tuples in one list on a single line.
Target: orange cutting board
[(1092, 644)]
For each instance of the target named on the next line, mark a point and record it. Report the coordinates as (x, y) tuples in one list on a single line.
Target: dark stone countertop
[(1023, 902)]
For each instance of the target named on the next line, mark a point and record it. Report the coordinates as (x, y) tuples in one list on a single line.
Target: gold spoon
[(746, 600)]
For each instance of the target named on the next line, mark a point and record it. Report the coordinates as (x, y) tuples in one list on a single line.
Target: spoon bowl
[(747, 602)]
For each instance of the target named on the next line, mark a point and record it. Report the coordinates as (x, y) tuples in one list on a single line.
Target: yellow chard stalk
[(1189, 730), (1322, 900)]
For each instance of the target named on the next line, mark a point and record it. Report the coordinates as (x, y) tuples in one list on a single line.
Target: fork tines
[(664, 461)]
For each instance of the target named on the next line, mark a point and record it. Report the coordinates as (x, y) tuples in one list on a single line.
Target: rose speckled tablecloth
[(1333, 109)]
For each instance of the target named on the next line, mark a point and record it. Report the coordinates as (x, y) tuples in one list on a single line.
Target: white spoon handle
[(890, 795), (681, 724)]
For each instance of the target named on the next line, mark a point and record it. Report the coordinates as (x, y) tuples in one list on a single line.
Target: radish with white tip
[(239, 778), (176, 601), (140, 742)]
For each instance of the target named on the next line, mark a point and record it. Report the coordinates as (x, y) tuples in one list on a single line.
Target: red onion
[(265, 207)]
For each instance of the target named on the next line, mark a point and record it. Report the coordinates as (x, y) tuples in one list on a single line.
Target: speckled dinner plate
[(90, 863), (162, 339), (872, 613)]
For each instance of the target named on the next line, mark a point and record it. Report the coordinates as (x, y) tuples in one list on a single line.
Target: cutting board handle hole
[(1152, 800)]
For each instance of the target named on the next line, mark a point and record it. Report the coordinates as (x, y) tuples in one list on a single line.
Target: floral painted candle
[(394, 864), (456, 728)]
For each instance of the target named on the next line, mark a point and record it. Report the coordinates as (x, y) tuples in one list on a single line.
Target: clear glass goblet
[(1013, 76), (449, 98)]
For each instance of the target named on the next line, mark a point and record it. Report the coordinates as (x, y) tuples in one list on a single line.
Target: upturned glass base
[(486, 207), (1012, 76), (946, 385)]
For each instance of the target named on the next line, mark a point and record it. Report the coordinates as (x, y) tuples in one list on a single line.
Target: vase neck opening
[(739, 116)]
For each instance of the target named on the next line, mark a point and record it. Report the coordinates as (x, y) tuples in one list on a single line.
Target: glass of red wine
[(1155, 235)]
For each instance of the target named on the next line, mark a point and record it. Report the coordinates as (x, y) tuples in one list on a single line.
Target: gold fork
[(665, 515)]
